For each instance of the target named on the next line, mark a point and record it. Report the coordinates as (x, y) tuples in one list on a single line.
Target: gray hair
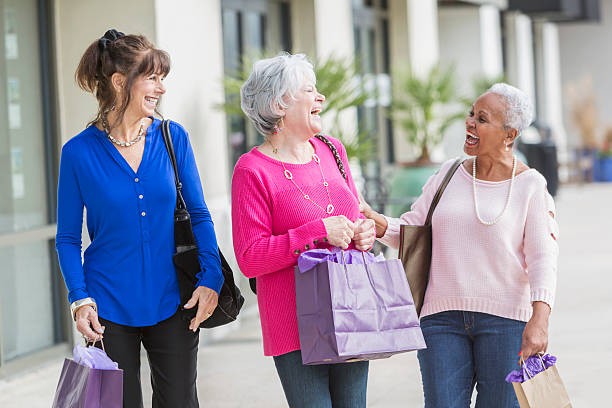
[(272, 85), (519, 110)]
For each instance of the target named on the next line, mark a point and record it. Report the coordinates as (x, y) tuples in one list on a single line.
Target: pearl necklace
[(330, 207), (507, 199), (125, 144)]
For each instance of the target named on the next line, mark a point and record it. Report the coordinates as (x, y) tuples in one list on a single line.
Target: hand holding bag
[(415, 246), (186, 260), (543, 389)]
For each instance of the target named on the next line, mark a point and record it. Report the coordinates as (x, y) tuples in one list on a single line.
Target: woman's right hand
[(87, 323), (339, 231), (379, 220)]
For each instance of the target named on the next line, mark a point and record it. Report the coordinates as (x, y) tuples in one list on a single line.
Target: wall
[(78, 23), (194, 87)]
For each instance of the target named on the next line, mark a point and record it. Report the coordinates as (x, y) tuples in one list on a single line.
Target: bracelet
[(74, 306)]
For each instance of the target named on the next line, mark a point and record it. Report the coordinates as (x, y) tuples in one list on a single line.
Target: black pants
[(172, 352)]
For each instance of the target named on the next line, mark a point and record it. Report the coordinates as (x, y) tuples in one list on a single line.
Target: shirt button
[(136, 179), (143, 213), (316, 241), (325, 239), (307, 247), (140, 196), (297, 252)]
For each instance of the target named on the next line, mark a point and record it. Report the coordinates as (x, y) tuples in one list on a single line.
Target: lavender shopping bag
[(91, 380), (353, 306)]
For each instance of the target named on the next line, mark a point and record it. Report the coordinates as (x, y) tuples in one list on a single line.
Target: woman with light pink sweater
[(290, 195), (494, 260)]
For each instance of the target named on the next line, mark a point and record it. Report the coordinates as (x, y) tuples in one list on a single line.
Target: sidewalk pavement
[(234, 373)]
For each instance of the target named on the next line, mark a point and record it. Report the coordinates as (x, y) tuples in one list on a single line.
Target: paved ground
[(233, 372)]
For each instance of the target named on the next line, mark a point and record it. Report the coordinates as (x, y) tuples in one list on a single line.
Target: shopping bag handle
[(362, 254), (93, 343)]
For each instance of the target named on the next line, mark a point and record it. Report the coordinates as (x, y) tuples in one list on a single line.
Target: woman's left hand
[(365, 234), (535, 334), (206, 299)]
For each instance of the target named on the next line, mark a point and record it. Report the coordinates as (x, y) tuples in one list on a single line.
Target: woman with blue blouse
[(125, 290)]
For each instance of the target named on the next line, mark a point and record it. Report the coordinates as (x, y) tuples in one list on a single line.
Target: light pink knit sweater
[(498, 269), (272, 223)]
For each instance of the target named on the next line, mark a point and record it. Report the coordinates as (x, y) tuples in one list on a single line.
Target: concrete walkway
[(234, 373)]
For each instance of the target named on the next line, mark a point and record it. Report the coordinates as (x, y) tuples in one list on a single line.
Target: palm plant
[(480, 84), (338, 80), (423, 107)]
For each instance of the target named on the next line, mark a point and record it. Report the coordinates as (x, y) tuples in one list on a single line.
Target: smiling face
[(485, 131), (145, 93), (302, 115)]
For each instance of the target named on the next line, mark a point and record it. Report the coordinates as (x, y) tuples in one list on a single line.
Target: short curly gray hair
[(271, 85), (519, 109)]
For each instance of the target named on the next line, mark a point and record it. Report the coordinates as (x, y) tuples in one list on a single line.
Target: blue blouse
[(128, 266)]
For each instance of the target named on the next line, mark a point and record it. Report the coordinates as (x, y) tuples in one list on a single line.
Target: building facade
[(41, 107)]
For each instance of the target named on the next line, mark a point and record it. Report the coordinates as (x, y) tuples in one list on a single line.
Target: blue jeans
[(324, 385), (466, 349)]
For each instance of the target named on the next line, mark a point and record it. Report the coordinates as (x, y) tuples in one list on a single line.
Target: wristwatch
[(82, 302)]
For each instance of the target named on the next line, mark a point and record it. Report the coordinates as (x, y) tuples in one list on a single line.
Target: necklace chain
[(507, 198), (289, 176), (124, 144)]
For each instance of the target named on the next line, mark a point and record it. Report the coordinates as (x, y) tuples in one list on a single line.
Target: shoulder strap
[(441, 189), (335, 153), (180, 203)]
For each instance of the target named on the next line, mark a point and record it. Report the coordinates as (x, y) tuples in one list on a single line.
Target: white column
[(548, 72), (194, 88), (414, 46), (490, 39), (470, 39), (519, 51), (323, 29)]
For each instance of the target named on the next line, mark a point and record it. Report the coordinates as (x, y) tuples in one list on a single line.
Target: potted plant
[(602, 170), (424, 107)]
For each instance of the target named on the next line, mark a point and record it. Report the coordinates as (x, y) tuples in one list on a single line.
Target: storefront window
[(251, 28), (28, 300)]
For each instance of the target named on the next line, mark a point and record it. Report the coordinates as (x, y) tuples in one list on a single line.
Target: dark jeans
[(322, 386), (172, 352), (466, 349)]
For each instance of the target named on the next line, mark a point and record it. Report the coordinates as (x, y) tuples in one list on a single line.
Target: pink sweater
[(497, 269), (273, 223)]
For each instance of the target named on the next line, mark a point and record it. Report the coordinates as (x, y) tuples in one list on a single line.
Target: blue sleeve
[(69, 228), (201, 221)]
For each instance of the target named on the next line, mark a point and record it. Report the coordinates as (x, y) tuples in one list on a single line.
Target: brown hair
[(131, 55)]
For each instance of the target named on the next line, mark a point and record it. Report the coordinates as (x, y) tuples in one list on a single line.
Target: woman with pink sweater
[(289, 195), (494, 260)]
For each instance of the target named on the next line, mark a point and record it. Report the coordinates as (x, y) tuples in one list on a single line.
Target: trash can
[(543, 157)]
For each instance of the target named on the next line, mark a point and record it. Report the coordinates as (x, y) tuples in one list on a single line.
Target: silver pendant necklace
[(330, 207), (488, 223)]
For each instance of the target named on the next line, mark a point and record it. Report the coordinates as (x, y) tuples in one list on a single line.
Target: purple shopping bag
[(353, 310), (81, 386)]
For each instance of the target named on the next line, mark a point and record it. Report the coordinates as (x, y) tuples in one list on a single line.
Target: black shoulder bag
[(253, 281), (186, 260)]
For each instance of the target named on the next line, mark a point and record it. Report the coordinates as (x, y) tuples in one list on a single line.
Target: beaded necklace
[(330, 207), (507, 198)]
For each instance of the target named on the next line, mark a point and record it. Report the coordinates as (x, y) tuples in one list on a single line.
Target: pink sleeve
[(418, 211), (540, 246), (257, 250)]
